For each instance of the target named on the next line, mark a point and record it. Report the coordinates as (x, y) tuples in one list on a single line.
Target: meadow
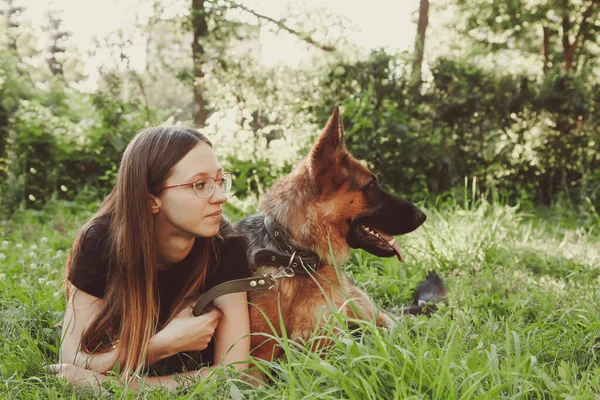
[(523, 319)]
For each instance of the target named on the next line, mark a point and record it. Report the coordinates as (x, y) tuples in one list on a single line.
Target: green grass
[(523, 319)]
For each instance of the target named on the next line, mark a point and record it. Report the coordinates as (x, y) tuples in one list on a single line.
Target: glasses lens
[(204, 188), (225, 183)]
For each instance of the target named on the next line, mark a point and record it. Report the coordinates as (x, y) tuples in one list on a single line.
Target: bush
[(513, 133)]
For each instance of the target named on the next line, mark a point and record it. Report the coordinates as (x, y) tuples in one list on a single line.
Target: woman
[(157, 243)]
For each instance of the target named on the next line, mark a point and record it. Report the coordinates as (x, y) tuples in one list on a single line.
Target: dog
[(310, 220)]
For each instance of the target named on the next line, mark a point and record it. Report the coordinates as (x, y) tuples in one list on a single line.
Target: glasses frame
[(214, 184)]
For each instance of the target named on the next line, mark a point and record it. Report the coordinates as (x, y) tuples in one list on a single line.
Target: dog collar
[(302, 261)]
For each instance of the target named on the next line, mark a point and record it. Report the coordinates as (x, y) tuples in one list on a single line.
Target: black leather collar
[(302, 261)]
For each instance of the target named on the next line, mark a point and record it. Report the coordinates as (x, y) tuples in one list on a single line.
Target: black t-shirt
[(90, 271)]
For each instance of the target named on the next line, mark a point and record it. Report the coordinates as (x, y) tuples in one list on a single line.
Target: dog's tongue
[(395, 246)]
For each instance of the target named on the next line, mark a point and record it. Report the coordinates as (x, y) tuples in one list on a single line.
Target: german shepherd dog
[(310, 219)]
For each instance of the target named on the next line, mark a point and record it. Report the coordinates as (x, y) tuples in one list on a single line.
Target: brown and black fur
[(319, 204)]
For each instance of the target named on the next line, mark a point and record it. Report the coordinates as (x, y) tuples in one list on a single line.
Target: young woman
[(157, 243)]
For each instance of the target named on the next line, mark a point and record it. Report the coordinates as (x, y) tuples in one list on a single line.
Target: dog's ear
[(332, 137), (327, 152)]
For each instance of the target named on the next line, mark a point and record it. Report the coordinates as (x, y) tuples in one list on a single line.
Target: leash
[(264, 282)]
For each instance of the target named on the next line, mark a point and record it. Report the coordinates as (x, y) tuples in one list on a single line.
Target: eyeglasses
[(205, 187)]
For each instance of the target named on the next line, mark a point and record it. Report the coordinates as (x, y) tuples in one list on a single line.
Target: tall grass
[(523, 319)]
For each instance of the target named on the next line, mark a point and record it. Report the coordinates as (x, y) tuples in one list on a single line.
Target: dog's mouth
[(376, 241), (375, 231)]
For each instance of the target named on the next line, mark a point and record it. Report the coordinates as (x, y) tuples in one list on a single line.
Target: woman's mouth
[(216, 214)]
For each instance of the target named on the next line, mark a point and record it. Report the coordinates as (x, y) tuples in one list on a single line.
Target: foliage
[(60, 141)]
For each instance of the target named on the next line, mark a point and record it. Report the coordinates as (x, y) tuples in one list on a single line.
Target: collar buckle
[(284, 272)]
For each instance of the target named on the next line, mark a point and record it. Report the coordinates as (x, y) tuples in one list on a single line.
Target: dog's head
[(351, 200)]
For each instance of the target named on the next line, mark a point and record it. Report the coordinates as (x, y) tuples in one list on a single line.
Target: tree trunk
[(200, 27), (546, 49), (570, 48), (420, 40)]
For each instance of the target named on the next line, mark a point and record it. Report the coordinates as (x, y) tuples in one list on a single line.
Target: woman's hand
[(77, 375), (186, 332)]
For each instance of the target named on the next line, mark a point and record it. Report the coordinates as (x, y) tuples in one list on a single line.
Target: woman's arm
[(80, 311), (85, 377), (232, 338), (232, 341), (232, 346)]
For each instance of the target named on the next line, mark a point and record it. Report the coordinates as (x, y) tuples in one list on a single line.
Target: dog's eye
[(369, 186)]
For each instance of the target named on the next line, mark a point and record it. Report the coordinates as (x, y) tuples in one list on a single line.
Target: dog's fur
[(321, 204)]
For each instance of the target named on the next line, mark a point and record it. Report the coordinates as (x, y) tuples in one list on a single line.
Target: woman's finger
[(214, 314), (56, 368)]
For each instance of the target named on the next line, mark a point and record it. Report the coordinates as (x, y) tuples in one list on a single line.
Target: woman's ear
[(155, 203)]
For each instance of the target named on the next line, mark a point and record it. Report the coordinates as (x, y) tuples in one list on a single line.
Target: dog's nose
[(420, 217)]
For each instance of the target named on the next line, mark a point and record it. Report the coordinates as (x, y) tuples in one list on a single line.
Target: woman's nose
[(218, 195)]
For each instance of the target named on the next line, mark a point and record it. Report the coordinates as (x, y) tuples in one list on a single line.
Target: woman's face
[(180, 207)]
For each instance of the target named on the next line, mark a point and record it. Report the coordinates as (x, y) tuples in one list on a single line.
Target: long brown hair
[(129, 312)]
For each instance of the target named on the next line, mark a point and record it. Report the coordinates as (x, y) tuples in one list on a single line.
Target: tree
[(281, 24), (573, 36), (58, 37), (200, 29), (420, 40), (203, 12), (562, 29), (12, 13)]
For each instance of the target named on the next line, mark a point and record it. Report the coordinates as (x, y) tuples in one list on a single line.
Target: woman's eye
[(200, 184)]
